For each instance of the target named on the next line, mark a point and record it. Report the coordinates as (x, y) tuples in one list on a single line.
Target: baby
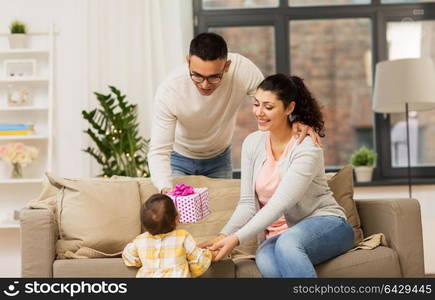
[(163, 250)]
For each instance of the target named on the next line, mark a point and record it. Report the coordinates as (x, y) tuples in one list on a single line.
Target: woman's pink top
[(267, 182)]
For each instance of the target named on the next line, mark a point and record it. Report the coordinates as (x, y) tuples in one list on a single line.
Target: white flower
[(18, 153)]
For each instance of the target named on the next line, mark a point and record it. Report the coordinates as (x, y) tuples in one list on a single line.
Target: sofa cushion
[(379, 262), (96, 218), (47, 197), (341, 185), (224, 196), (115, 268)]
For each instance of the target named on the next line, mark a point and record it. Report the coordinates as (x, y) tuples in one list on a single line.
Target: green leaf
[(363, 157), (115, 113), (17, 27)]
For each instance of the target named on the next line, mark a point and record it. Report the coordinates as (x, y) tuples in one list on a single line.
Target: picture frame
[(19, 95), (19, 68)]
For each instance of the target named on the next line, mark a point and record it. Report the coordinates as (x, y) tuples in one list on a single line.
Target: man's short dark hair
[(208, 46), (158, 214)]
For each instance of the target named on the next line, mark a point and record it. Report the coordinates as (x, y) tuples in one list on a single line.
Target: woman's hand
[(301, 130), (210, 243), (225, 246)]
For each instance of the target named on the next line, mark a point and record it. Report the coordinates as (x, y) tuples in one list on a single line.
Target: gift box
[(192, 203)]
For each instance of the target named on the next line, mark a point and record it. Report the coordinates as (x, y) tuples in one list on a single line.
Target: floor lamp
[(404, 85)]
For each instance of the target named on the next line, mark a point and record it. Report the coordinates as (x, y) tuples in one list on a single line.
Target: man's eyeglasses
[(212, 79)]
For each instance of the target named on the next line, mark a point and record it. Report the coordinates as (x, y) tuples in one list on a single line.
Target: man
[(195, 113)]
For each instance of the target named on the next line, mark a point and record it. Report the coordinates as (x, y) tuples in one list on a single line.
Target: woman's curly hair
[(292, 88)]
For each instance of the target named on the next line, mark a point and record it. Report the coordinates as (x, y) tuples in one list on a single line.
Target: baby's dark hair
[(158, 214)]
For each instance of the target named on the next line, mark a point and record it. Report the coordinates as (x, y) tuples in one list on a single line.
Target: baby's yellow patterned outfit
[(172, 254)]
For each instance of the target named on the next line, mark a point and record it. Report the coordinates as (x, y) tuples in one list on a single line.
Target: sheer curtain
[(132, 45)]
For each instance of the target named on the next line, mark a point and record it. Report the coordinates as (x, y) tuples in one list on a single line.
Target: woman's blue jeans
[(309, 242), (219, 166)]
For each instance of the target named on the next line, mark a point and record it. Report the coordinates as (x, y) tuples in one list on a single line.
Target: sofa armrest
[(400, 221), (38, 242)]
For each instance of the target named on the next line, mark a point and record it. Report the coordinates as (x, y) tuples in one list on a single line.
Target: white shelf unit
[(23, 137), (9, 226), (24, 80), (15, 52), (24, 108), (29, 180), (15, 193)]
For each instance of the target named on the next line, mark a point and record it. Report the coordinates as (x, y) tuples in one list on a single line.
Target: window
[(334, 45), (335, 65), (216, 4), (325, 2), (411, 40), (258, 44), (406, 1), (364, 137)]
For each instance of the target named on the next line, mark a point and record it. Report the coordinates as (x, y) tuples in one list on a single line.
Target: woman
[(284, 193)]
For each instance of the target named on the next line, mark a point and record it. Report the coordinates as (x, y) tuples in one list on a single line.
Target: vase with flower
[(18, 156)]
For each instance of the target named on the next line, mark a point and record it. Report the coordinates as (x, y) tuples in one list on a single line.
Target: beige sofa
[(398, 219)]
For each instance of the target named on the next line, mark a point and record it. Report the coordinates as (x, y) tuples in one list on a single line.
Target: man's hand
[(300, 131), (225, 246), (165, 190)]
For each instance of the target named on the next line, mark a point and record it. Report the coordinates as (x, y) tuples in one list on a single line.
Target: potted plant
[(18, 37), (120, 150), (363, 161)]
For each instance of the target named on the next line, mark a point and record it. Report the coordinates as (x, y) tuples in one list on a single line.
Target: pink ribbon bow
[(182, 190)]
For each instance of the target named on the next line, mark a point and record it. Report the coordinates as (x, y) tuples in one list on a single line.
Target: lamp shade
[(401, 81)]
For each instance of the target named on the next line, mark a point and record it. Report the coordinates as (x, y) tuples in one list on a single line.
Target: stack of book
[(16, 129)]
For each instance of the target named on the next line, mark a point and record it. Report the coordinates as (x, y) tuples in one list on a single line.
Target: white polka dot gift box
[(191, 203)]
